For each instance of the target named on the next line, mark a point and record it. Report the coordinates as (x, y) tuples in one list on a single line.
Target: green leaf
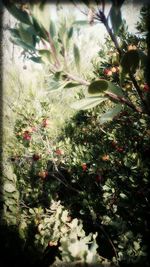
[(115, 89), (116, 18), (97, 87), (19, 42), (52, 29), (8, 187), (70, 32), (102, 86), (26, 34), (71, 84), (39, 29), (42, 15), (87, 103), (76, 56), (45, 55), (14, 33), (110, 114), (36, 59), (19, 14)]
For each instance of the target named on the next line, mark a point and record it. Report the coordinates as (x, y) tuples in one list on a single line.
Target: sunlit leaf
[(8, 187), (45, 55), (71, 85), (110, 114), (42, 15), (88, 103)]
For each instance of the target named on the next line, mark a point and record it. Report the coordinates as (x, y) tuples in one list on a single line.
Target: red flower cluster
[(27, 136)]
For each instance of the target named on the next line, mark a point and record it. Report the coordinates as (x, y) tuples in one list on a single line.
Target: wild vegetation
[(77, 143)]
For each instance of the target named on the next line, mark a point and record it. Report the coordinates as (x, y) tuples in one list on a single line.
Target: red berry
[(84, 167), (146, 88), (120, 149), (59, 152), (36, 157), (107, 72)]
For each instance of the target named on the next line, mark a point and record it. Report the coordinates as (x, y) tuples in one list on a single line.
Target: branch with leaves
[(34, 29)]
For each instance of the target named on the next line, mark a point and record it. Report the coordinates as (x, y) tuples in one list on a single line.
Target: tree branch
[(124, 101)]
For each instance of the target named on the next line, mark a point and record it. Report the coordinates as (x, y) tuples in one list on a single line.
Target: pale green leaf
[(110, 114), (88, 103), (8, 187)]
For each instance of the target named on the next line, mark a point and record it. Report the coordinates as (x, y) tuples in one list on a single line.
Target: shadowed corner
[(1, 110)]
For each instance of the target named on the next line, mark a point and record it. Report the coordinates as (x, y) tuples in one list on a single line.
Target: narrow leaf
[(81, 23), (19, 14), (52, 29), (110, 114), (70, 32), (76, 56), (36, 59), (71, 85), (116, 18), (39, 29), (88, 103)]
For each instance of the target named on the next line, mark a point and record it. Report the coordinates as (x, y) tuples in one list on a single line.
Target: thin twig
[(77, 79), (53, 50)]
